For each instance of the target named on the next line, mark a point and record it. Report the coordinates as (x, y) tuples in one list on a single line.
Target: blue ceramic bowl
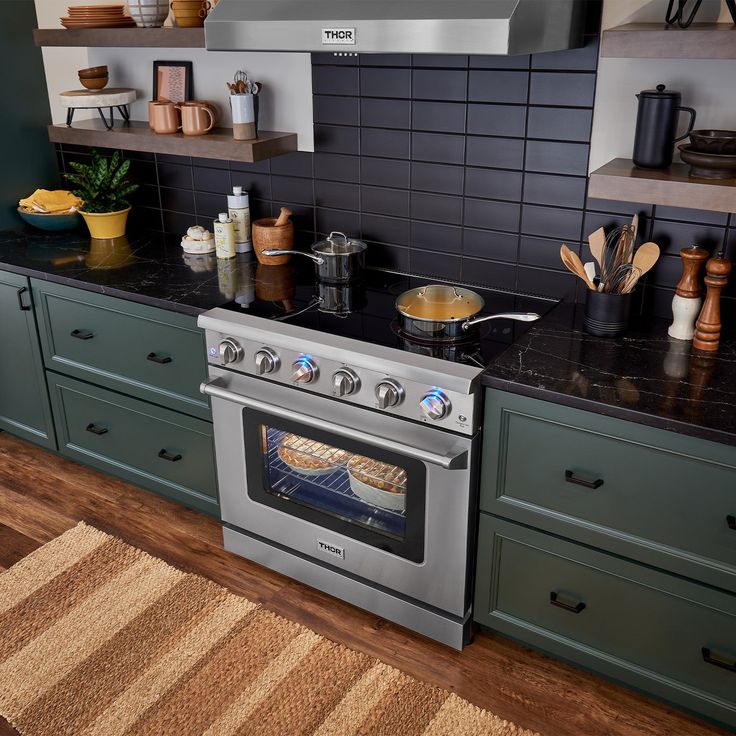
[(51, 222)]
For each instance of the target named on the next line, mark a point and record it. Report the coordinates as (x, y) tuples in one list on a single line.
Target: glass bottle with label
[(224, 236), (238, 206)]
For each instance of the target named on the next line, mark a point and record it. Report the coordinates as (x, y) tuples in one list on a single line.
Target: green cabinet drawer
[(162, 450), (146, 352), (671, 637), (655, 496), (24, 400)]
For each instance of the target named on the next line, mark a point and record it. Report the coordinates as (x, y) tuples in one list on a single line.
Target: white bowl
[(198, 246), (377, 497)]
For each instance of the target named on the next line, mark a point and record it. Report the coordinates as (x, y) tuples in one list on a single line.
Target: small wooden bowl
[(93, 72), (266, 234), (94, 83)]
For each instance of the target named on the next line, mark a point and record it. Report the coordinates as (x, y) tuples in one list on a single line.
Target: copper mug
[(197, 118), (163, 117)]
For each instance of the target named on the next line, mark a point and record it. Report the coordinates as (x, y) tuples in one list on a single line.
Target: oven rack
[(337, 481)]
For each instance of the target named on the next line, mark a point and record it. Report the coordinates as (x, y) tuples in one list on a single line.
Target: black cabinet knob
[(570, 477), (566, 604), (160, 359), (164, 455), (94, 429), (82, 334)]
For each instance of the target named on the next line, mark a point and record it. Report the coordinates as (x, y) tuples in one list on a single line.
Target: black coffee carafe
[(656, 127)]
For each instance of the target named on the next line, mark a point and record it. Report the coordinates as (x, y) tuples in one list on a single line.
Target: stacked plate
[(97, 16)]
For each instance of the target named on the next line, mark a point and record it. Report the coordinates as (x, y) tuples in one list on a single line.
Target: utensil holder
[(267, 235), (244, 108), (606, 315)]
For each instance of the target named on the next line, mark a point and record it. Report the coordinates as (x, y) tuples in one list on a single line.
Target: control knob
[(304, 370), (389, 393), (345, 382), (230, 351), (266, 361), (435, 404)]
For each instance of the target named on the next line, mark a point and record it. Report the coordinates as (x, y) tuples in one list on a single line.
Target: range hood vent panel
[(396, 26)]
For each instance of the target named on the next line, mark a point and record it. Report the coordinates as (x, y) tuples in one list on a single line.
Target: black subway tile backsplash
[(437, 178), (498, 86), (493, 184), (336, 194), (385, 142), (560, 123), (439, 207), (457, 167), (502, 153), (438, 147), (383, 201), (443, 117), (507, 120), (553, 88), (384, 172), (380, 113), (385, 82)]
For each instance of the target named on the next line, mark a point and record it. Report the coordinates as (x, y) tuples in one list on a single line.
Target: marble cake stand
[(86, 99)]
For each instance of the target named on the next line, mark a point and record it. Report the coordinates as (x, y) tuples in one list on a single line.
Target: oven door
[(375, 496)]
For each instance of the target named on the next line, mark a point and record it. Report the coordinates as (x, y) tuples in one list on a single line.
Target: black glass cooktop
[(365, 310)]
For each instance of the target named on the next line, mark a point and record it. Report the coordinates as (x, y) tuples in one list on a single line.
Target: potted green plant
[(103, 186)]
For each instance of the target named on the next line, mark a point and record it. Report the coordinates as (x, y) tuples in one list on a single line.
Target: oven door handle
[(455, 461)]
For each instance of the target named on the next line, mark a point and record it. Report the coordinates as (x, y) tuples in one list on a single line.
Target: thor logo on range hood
[(338, 36)]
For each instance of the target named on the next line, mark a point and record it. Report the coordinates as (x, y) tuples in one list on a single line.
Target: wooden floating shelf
[(137, 136), (170, 38), (621, 180), (660, 41)]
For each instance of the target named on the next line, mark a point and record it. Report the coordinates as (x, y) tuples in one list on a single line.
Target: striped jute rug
[(99, 638)]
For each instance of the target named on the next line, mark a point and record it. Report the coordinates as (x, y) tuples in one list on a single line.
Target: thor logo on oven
[(331, 549)]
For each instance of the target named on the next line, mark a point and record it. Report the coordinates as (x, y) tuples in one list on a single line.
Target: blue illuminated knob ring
[(304, 370), (435, 404)]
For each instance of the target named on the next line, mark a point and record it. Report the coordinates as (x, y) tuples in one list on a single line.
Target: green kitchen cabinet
[(24, 401), (658, 497), (613, 545), (156, 448), (655, 631), (143, 351)]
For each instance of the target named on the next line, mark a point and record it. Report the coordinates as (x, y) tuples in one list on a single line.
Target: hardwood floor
[(43, 495)]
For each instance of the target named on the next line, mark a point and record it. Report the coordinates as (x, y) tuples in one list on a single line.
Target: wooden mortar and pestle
[(269, 233)]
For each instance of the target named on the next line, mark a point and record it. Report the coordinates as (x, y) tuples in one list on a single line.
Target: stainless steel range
[(347, 455)]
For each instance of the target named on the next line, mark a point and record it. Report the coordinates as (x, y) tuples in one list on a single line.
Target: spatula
[(644, 259), (574, 265), (597, 241)]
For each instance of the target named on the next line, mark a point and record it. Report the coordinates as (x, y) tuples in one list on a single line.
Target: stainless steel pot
[(337, 259), (443, 312)]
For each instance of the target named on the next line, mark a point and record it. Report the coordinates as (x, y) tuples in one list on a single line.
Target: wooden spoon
[(644, 259), (574, 265), (597, 241)]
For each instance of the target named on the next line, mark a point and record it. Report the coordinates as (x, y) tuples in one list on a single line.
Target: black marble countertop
[(149, 268), (643, 376)]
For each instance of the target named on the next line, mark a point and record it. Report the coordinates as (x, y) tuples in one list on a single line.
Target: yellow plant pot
[(106, 224)]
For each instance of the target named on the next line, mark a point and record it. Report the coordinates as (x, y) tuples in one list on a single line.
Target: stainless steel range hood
[(396, 26)]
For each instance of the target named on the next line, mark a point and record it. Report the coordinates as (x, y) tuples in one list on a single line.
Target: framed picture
[(172, 80)]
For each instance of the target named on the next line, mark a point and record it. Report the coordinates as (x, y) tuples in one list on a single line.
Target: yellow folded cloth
[(43, 200)]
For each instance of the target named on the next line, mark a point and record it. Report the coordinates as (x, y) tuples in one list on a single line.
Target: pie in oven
[(378, 475), (309, 456)]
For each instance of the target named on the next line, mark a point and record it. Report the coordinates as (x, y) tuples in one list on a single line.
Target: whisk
[(622, 279)]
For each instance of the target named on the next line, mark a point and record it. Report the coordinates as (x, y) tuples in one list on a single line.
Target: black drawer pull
[(82, 334), (160, 359), (731, 521), (571, 478), (719, 660), (568, 605), (168, 456), (23, 307), (96, 430)]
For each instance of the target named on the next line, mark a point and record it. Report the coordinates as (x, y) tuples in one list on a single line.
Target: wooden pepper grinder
[(686, 302), (708, 326)]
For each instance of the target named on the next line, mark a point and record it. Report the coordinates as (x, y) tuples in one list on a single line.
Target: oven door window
[(358, 490)]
